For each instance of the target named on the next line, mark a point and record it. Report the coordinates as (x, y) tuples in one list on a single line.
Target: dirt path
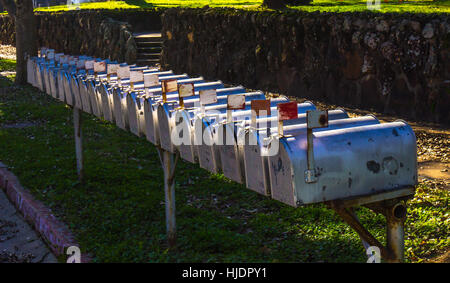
[(18, 241)]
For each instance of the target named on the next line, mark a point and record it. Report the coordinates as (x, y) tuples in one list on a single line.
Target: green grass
[(117, 215), (7, 65), (414, 6)]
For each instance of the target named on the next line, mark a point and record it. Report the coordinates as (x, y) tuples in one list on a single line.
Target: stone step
[(149, 34), (147, 62), (148, 55), (149, 49), (149, 44)]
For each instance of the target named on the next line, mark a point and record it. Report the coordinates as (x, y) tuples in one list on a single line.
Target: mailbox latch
[(314, 119)]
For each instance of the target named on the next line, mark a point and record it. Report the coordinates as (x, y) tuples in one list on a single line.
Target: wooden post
[(78, 142), (169, 163)]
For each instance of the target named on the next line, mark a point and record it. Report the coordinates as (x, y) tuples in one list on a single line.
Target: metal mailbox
[(184, 119), (135, 106), (231, 137), (85, 99), (120, 108), (54, 82), (256, 153), (94, 96), (151, 106), (350, 162), (206, 141), (60, 83), (30, 70), (68, 94), (105, 101), (74, 86)]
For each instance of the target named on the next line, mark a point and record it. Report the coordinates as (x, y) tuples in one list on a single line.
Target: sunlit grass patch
[(7, 65), (414, 6)]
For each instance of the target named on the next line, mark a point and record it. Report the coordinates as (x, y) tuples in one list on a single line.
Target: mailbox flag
[(186, 90), (64, 59), (89, 64), (169, 86), (317, 119), (123, 72), (51, 54), (287, 111), (208, 96), (236, 101), (112, 69), (136, 76), (81, 64), (99, 67), (151, 80), (261, 106)]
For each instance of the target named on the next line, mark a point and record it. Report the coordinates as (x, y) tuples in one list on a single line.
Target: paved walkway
[(18, 241)]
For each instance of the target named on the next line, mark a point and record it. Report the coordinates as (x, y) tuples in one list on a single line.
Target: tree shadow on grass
[(140, 3)]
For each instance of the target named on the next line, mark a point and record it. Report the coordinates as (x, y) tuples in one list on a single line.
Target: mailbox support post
[(169, 162), (393, 206), (395, 223), (78, 142)]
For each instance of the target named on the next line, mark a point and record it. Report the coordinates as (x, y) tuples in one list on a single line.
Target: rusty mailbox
[(348, 162)]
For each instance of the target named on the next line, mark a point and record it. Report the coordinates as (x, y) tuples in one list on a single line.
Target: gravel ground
[(7, 52)]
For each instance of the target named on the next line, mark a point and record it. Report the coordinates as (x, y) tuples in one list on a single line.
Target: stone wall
[(392, 63), (7, 30), (105, 34)]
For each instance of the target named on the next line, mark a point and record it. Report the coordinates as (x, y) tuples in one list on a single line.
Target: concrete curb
[(53, 231)]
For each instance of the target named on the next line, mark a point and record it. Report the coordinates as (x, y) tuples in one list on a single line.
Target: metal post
[(78, 142), (395, 223), (169, 162)]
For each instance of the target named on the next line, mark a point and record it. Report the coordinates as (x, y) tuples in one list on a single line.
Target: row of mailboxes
[(298, 157)]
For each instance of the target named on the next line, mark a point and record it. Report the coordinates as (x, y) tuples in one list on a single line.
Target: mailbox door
[(92, 94), (132, 113), (164, 123), (60, 78), (208, 153), (105, 104), (84, 97), (76, 92), (141, 118), (183, 122), (53, 84), (68, 90), (231, 160), (46, 79), (257, 174), (30, 71), (149, 121)]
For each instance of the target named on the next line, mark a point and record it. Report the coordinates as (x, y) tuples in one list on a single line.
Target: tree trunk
[(26, 34)]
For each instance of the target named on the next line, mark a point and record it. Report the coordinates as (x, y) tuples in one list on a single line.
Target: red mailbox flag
[(260, 105), (287, 111)]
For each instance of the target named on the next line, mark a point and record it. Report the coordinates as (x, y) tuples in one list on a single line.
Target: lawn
[(117, 215), (414, 6)]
